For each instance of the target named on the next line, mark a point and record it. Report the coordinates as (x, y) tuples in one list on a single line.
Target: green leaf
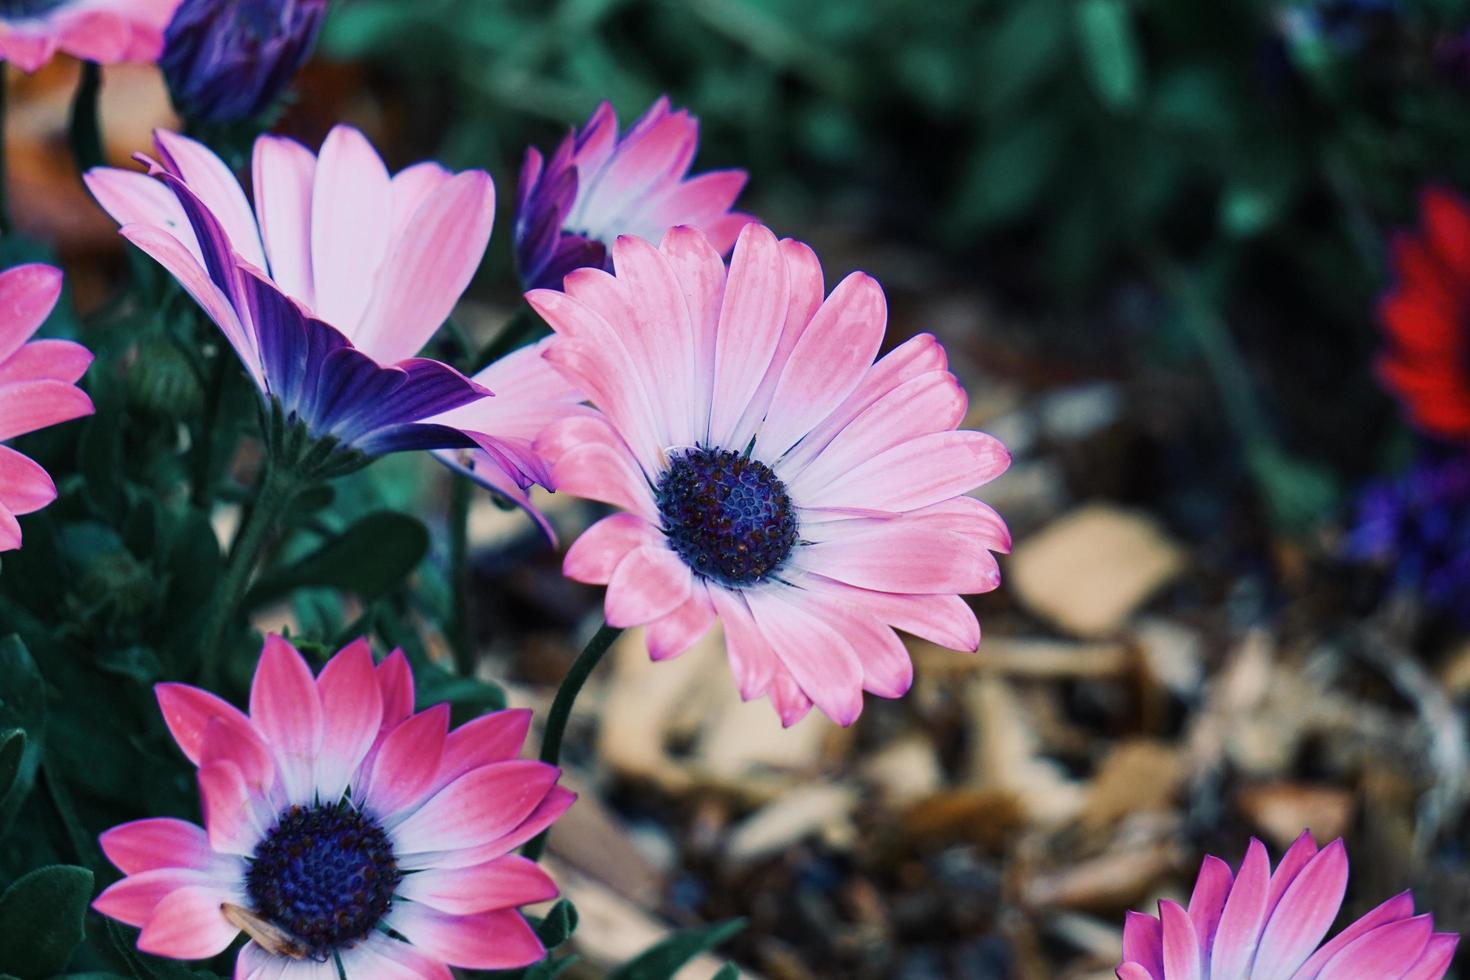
[(550, 969), (42, 919), (663, 961), (1110, 51), (12, 747), (558, 925), (726, 972), (22, 705), (437, 686), (368, 559)]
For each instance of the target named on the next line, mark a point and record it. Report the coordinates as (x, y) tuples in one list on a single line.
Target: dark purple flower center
[(324, 874), (16, 9), (728, 516)]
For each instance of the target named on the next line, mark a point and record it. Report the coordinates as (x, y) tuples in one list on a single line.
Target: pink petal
[(1383, 952), (168, 252), (496, 940), (918, 473), (134, 899), (829, 360), (58, 360), (1143, 944), (1132, 971), (593, 557), (820, 659), (506, 882), (395, 679), (900, 555), (410, 188), (787, 697), (28, 293), (428, 268), (660, 335), (229, 809), (1207, 902), (931, 402), (1304, 915), (350, 222), (751, 320), (352, 714), (804, 298), (752, 660), (27, 52), (402, 773), (476, 808), (1435, 961), (1181, 945), (188, 925), (285, 172), (672, 634), (285, 708), (596, 470), (103, 36), (888, 671), (158, 842), (26, 406), (649, 583), (547, 812), (188, 711), (700, 273), (943, 619), (494, 737), (135, 198), (1396, 909), (25, 486), (216, 187), (381, 958), (1240, 922), (1297, 856), (698, 201)]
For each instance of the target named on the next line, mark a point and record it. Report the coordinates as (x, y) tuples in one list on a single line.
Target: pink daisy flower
[(597, 186), (771, 475), (531, 395), (1269, 925), (37, 389), (333, 813), (104, 31), (330, 285)]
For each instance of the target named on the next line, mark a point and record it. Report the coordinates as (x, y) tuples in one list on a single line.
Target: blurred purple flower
[(1418, 525), (230, 60)]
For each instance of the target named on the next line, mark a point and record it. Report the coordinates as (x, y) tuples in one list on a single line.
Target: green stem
[(278, 488), (461, 636), (522, 328), (561, 709), (202, 493), (85, 132), (5, 225)]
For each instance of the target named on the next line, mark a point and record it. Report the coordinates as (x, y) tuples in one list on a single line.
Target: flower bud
[(228, 61)]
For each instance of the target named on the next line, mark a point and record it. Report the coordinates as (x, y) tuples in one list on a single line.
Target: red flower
[(1427, 317)]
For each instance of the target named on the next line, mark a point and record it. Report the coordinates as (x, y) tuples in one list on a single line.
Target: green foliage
[(23, 716), (663, 961), (42, 920), (367, 559)]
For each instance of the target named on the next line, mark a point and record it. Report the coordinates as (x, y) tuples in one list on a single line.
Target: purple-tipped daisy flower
[(227, 62), (329, 286), (1267, 925), (344, 834), (598, 185)]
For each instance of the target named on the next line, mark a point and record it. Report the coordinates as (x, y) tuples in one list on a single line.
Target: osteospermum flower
[(1427, 318), (330, 285), (104, 31), (333, 814), (531, 395), (1269, 925), (772, 476), (37, 389), (597, 186)]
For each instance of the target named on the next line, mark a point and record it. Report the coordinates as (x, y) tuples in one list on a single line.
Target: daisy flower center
[(324, 874), (728, 516)]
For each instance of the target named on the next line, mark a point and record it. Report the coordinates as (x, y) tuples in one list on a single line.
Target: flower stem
[(278, 488), (84, 131), (461, 636), (561, 709)]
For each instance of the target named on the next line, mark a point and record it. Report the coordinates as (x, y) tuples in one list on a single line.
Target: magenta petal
[(1132, 971), (402, 773), (229, 810), (159, 842), (1240, 923), (495, 737), (134, 899), (28, 293), (1143, 943), (25, 486), (285, 707), (352, 709), (819, 658), (750, 325), (1304, 915), (188, 711), (188, 925), (1435, 961), (595, 555), (26, 406), (1207, 902), (505, 882), (476, 808), (651, 581), (496, 940), (1383, 952), (1181, 945), (1400, 907), (672, 634)]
